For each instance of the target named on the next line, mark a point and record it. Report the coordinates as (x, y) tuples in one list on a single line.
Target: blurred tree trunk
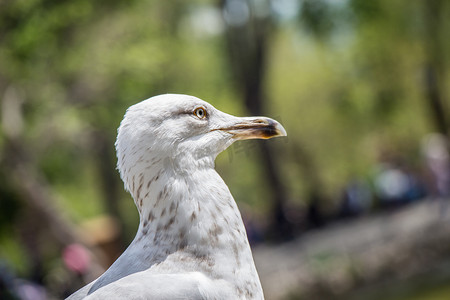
[(36, 214), (110, 183), (314, 183), (434, 69), (247, 36)]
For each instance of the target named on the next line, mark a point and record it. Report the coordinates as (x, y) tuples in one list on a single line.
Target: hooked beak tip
[(280, 129), (272, 129)]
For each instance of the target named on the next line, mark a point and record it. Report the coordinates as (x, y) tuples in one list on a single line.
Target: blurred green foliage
[(344, 78)]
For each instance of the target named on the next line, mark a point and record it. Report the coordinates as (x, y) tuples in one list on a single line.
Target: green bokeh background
[(345, 78)]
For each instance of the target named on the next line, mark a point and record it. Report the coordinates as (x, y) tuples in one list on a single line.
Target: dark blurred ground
[(393, 255)]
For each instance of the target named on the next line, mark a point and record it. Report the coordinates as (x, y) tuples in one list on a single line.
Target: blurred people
[(357, 198), (435, 151), (395, 185), (12, 288)]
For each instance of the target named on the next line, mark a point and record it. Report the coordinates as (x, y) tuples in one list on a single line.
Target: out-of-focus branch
[(24, 178), (434, 71)]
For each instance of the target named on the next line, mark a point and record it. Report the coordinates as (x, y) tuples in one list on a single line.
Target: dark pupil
[(200, 112)]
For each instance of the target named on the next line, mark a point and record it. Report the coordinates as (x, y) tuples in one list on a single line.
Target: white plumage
[(191, 242)]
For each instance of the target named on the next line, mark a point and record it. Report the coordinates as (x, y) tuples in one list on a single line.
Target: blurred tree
[(33, 211), (390, 43), (317, 17), (74, 67), (248, 32), (427, 22), (436, 19)]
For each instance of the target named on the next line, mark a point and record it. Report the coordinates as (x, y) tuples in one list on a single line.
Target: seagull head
[(183, 133)]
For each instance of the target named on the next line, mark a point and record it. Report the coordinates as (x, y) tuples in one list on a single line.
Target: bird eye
[(200, 112)]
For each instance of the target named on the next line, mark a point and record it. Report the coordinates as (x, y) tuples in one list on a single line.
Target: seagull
[(191, 242)]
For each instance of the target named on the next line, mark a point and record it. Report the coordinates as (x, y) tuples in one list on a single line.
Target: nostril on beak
[(259, 121)]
